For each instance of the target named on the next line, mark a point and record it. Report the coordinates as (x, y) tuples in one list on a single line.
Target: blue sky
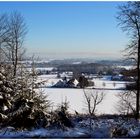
[(71, 29)]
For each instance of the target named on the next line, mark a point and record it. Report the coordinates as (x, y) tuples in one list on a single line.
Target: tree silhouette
[(129, 20)]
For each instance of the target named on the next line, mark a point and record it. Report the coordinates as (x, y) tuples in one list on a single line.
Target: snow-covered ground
[(126, 67), (99, 83), (100, 128), (77, 102), (42, 69), (76, 98), (107, 84)]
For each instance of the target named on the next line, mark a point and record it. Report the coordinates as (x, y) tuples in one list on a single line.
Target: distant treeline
[(93, 68)]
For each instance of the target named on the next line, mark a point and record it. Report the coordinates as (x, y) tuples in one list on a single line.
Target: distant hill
[(57, 63), (116, 62)]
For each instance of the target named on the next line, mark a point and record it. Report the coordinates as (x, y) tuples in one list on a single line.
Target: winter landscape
[(62, 90)]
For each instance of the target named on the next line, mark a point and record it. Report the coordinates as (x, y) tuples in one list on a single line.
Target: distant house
[(60, 84), (72, 83)]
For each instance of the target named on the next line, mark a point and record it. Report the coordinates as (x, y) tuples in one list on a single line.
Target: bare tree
[(126, 104), (93, 99), (14, 43), (129, 20)]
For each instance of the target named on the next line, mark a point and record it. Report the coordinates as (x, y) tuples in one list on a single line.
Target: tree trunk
[(16, 58), (138, 81)]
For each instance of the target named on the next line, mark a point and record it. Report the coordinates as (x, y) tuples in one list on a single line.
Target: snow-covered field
[(102, 83), (42, 69), (77, 102), (76, 97), (48, 80), (126, 67)]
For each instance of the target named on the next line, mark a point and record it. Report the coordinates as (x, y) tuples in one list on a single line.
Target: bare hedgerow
[(92, 99), (127, 102)]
